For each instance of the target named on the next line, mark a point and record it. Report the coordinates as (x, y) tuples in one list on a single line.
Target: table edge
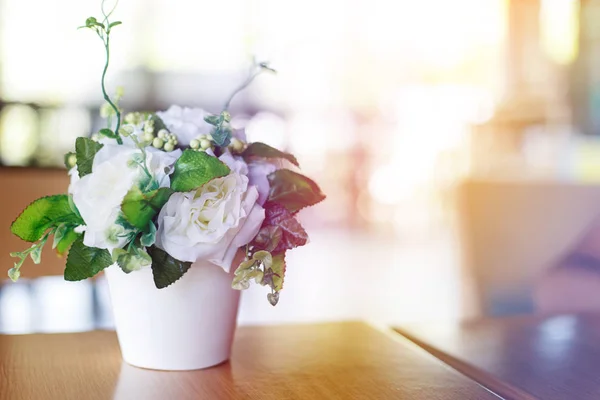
[(484, 378)]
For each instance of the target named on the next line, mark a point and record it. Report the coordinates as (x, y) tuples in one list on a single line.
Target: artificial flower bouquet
[(165, 190)]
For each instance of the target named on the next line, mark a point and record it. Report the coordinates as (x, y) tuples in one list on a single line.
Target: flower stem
[(262, 67), (106, 96)]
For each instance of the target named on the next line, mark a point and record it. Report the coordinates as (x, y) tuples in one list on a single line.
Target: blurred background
[(458, 141)]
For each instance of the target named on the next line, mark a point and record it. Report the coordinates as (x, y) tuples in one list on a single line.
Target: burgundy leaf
[(280, 230)]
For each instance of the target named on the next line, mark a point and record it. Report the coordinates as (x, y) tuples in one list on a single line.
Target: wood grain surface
[(325, 361), (550, 358)]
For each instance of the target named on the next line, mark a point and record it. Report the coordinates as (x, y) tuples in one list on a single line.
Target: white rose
[(98, 195), (211, 223), (186, 123)]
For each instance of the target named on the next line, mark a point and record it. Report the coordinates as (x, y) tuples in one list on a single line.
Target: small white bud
[(131, 118), (205, 144), (158, 143), (148, 137), (149, 127), (169, 146), (209, 137), (72, 160), (106, 110), (162, 133), (237, 145), (194, 144)]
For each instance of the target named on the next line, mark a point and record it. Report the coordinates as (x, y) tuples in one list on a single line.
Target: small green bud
[(205, 144), (162, 133), (175, 142), (71, 160), (209, 137), (226, 116), (195, 144), (149, 137), (169, 146), (119, 92), (158, 143)]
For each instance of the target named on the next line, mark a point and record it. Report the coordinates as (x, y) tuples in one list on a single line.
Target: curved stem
[(106, 97)]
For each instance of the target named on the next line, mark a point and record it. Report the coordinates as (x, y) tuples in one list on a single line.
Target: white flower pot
[(188, 325)]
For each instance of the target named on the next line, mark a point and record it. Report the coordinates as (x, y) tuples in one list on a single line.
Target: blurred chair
[(513, 231), (41, 301), (21, 187)]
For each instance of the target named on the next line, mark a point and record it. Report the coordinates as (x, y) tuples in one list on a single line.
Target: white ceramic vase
[(188, 325)]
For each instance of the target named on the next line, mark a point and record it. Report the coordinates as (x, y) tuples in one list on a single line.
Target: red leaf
[(280, 231)]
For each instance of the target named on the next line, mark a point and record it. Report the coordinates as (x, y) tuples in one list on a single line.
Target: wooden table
[(326, 361), (550, 358)]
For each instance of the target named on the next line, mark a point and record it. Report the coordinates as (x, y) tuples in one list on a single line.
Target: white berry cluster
[(164, 140)]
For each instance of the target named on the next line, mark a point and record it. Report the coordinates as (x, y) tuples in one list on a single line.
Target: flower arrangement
[(162, 190)]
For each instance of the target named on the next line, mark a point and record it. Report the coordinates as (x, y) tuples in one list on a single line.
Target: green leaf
[(212, 119), (258, 149), (194, 169), (221, 135), (158, 123), (59, 233), (278, 267), (91, 21), (293, 190), (139, 208), (36, 254), (148, 238), (241, 280), (113, 24), (65, 242), (43, 214), (73, 208), (84, 262), (108, 133), (86, 150), (165, 269), (133, 260), (14, 274)]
